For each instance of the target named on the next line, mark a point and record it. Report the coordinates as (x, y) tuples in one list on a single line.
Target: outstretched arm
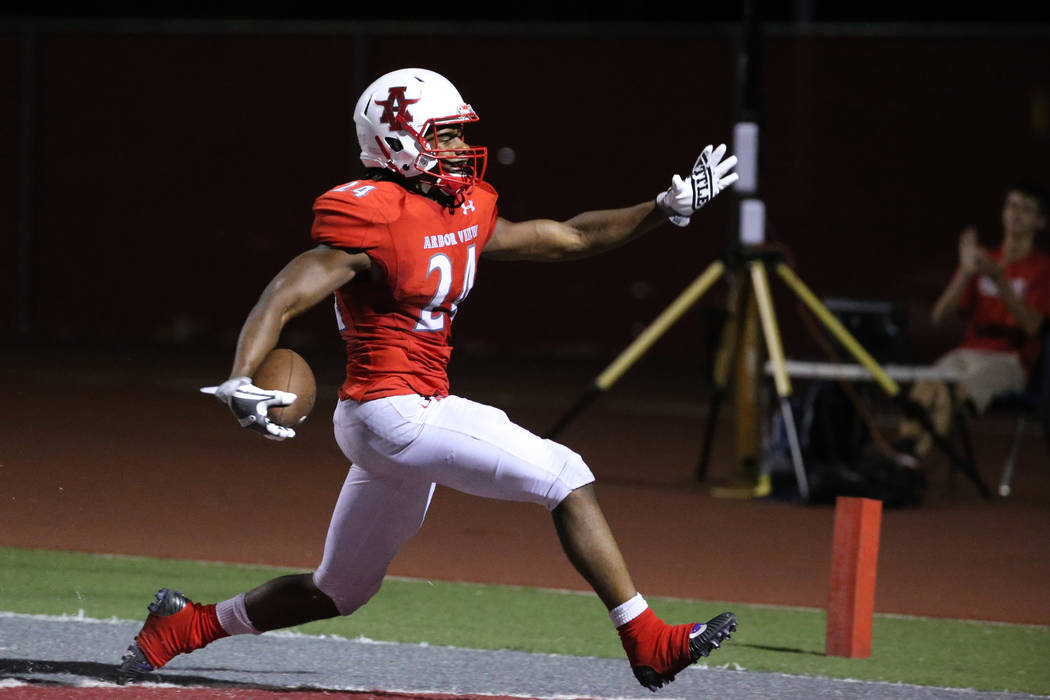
[(581, 236), (595, 232)]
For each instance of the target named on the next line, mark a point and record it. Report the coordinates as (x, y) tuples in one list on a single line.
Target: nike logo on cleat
[(697, 630)]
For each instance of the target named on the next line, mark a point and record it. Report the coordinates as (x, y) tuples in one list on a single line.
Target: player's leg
[(656, 650), (589, 544), (476, 449), (373, 517), (175, 625), (287, 601)]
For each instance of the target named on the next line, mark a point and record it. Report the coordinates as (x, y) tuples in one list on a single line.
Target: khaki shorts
[(984, 373)]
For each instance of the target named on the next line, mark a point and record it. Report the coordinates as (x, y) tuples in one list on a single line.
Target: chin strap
[(450, 201)]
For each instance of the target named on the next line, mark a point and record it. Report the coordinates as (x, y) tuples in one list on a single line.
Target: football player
[(399, 250)]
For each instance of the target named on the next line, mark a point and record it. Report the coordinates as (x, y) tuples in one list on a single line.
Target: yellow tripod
[(756, 260)]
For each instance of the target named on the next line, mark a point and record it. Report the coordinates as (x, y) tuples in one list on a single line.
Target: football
[(286, 370)]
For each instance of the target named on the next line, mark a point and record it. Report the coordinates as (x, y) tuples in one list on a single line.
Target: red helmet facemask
[(454, 171)]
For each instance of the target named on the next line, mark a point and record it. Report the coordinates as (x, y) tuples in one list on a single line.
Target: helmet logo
[(396, 105)]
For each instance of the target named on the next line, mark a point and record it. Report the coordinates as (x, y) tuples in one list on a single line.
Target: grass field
[(945, 653)]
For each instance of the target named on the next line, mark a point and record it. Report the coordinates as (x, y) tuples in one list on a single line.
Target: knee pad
[(574, 474)]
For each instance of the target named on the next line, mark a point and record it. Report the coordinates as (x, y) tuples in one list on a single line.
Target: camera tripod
[(757, 260)]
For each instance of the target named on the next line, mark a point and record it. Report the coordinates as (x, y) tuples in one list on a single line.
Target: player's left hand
[(710, 175), (250, 404)]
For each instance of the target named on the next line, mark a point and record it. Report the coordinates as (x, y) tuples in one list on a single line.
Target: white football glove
[(710, 176), (249, 405)]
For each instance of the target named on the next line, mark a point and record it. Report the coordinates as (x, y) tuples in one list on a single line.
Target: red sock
[(193, 627), (206, 627), (649, 641)]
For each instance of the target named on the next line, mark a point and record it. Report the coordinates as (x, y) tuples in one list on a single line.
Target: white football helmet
[(398, 112)]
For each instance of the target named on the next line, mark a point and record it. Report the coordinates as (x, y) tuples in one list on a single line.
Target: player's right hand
[(250, 404), (710, 175)]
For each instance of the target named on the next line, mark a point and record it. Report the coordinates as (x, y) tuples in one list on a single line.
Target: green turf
[(947, 653)]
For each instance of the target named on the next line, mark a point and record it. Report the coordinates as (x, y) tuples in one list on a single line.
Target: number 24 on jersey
[(431, 318)]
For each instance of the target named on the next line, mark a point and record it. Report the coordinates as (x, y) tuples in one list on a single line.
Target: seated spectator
[(1006, 291)]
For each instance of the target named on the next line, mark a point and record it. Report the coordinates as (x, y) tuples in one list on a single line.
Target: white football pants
[(401, 447)]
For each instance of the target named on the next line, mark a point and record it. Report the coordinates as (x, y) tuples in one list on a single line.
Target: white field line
[(79, 617)]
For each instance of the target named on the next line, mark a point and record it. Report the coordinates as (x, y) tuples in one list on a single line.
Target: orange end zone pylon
[(854, 557)]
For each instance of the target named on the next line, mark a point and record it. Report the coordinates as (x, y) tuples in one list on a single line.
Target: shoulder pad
[(485, 187), (368, 201)]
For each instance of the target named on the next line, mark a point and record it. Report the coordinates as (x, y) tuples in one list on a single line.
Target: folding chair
[(1033, 402)]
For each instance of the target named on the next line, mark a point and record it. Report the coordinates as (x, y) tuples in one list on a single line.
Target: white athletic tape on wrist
[(676, 219)]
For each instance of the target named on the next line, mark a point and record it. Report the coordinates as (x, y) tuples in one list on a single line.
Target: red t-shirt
[(397, 329), (992, 326)]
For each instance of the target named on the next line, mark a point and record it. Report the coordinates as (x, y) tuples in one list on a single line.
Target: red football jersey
[(397, 329), (993, 327)]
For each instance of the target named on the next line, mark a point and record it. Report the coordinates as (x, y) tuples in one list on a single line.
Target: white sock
[(233, 616), (624, 612)]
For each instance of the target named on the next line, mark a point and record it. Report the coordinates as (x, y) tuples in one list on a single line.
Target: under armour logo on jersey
[(396, 105), (468, 206)]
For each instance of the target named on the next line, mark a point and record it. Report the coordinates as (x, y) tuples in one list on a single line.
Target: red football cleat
[(657, 650), (175, 625)]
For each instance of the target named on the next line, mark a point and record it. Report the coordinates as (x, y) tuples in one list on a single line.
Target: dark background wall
[(157, 174)]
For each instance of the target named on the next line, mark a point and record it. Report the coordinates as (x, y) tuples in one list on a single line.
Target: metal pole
[(775, 350)]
